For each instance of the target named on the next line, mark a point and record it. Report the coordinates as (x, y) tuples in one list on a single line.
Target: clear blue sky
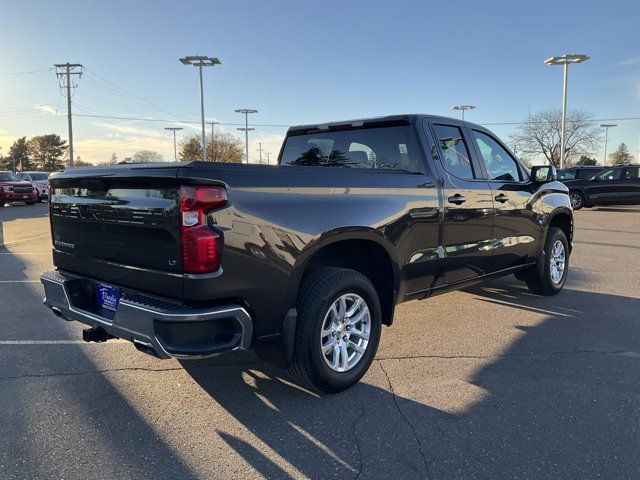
[(299, 62)]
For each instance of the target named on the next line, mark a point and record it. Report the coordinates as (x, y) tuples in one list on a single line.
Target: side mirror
[(543, 173)]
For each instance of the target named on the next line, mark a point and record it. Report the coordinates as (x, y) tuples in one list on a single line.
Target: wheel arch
[(365, 250)]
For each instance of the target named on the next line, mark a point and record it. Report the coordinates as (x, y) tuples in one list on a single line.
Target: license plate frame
[(107, 296)]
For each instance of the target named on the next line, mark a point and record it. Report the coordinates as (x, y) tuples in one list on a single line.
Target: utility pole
[(268, 154), (606, 127), (64, 72), (246, 128), (212, 124), (175, 148), (259, 149), (201, 61)]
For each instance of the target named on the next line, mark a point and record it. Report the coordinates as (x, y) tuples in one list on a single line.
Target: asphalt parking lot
[(491, 382)]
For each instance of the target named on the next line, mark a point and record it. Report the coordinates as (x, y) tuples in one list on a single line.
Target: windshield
[(8, 177), (390, 148), (39, 176)]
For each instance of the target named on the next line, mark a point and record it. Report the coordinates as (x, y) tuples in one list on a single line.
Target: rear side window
[(383, 148), (455, 155), (632, 173)]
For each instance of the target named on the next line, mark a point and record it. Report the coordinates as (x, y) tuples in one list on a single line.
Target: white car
[(40, 180)]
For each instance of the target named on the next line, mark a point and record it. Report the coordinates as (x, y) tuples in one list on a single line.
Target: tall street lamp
[(462, 108), (565, 60), (606, 127), (175, 148), (201, 61), (246, 128)]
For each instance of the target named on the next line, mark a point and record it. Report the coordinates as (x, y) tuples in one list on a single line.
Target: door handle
[(457, 199), (501, 198)]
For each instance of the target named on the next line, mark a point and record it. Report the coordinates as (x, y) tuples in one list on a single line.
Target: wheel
[(30, 203), (550, 275), (337, 331), (1, 204), (577, 200)]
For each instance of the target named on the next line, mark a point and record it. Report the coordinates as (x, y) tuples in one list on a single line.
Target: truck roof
[(408, 118)]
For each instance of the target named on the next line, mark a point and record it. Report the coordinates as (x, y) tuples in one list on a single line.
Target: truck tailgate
[(121, 230)]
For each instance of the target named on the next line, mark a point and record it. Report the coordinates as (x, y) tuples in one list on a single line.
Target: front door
[(517, 235), (607, 188), (468, 206)]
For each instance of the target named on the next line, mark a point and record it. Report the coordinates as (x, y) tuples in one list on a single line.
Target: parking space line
[(19, 281), (25, 253), (55, 342)]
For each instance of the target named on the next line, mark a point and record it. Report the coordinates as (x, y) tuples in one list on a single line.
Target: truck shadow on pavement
[(561, 402)]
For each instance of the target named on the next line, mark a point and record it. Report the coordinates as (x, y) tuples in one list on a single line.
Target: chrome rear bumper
[(163, 327)]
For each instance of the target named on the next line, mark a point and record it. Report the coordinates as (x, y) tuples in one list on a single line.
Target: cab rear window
[(382, 148)]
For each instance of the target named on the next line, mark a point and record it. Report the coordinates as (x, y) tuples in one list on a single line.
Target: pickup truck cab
[(13, 189), (40, 180), (305, 261)]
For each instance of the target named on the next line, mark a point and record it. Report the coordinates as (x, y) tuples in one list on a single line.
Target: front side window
[(500, 165), (612, 174), (381, 148), (455, 155)]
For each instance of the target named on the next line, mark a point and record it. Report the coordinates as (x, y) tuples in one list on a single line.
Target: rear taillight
[(201, 246)]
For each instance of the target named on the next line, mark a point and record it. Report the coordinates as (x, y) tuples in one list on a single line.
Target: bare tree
[(540, 135), (146, 156)]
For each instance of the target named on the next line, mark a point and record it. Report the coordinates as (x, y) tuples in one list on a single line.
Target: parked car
[(40, 180), (303, 262), (578, 173), (618, 185), (13, 189)]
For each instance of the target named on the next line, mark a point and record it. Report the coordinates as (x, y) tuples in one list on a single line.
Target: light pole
[(175, 148), (564, 60), (462, 108), (201, 61), (246, 128), (606, 127)]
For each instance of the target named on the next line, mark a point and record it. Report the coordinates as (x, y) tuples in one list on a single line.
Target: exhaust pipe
[(95, 334)]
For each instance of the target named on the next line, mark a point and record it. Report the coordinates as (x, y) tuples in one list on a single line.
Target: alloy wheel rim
[(576, 201), (345, 332), (558, 258)]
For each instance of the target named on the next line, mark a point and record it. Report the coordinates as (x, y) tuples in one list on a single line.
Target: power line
[(618, 119), (162, 120), (24, 73)]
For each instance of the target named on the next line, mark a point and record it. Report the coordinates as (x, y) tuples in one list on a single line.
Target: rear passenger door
[(631, 179), (468, 205), (516, 232)]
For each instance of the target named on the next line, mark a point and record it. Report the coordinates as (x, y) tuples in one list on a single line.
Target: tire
[(577, 200), (543, 279), (30, 203), (1, 204), (310, 367)]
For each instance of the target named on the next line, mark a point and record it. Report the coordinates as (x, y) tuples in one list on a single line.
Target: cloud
[(47, 109), (629, 62)]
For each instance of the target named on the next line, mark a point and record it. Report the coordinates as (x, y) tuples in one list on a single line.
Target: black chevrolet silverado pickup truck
[(305, 261)]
